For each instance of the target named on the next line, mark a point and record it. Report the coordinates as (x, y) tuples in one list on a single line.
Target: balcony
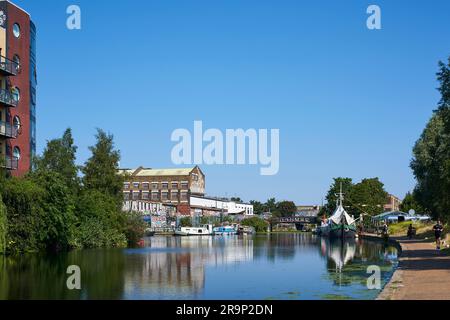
[(8, 130), (10, 163), (8, 67), (8, 98)]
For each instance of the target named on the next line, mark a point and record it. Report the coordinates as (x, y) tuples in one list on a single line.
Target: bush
[(259, 224), (100, 224), (3, 226), (185, 222), (93, 234), (134, 228), (23, 200)]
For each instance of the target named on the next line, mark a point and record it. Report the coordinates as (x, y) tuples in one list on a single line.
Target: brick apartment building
[(152, 188), (17, 89), (392, 203)]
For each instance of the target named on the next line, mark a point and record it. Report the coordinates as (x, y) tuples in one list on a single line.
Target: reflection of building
[(17, 88), (392, 203), (177, 265)]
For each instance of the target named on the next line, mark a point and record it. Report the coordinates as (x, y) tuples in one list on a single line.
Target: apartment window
[(195, 177), (16, 153), (15, 94), (183, 196), (145, 196), (155, 196), (174, 196), (136, 184), (126, 196), (164, 196), (155, 185), (135, 195), (126, 185), (174, 184), (145, 186), (184, 185), (16, 30), (16, 122), (165, 185)]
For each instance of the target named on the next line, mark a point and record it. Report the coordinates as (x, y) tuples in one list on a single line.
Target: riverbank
[(423, 273)]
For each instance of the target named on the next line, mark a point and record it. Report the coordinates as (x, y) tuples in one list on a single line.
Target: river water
[(278, 266)]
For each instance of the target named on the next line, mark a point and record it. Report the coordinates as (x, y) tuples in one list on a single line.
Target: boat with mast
[(340, 224)]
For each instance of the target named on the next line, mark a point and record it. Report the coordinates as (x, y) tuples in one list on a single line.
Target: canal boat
[(246, 230), (225, 231), (340, 225), (203, 230)]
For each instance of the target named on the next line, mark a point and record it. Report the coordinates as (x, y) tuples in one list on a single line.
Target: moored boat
[(246, 230), (204, 230), (225, 231), (340, 224)]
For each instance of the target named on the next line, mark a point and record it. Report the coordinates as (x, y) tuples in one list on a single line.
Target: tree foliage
[(100, 170), (3, 226), (49, 209), (410, 203), (286, 209), (431, 161), (367, 196), (59, 156), (259, 224)]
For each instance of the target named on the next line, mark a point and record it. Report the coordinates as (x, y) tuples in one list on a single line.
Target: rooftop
[(149, 172)]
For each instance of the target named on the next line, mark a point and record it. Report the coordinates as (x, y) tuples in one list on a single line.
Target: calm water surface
[(280, 266)]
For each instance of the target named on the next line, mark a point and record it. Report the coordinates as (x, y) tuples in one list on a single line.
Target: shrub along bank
[(55, 208)]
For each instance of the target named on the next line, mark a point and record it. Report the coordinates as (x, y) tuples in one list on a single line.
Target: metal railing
[(8, 162), (8, 98), (9, 66), (8, 130)]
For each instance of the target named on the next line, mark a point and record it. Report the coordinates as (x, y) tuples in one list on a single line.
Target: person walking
[(438, 228)]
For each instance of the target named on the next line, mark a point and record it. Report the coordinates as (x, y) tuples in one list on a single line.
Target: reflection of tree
[(44, 277), (283, 246), (347, 261)]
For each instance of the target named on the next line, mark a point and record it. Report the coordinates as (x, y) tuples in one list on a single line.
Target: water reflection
[(265, 266), (347, 261)]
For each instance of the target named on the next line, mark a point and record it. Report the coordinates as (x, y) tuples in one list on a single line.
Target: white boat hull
[(194, 231)]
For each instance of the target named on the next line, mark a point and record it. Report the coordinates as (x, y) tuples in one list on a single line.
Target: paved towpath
[(423, 273)]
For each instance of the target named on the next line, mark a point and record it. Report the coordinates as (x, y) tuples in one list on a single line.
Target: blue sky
[(348, 101)]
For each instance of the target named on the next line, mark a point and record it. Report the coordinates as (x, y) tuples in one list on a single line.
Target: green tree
[(332, 194), (286, 209), (368, 197), (430, 165), (259, 224), (23, 200), (431, 161), (3, 226), (270, 205), (236, 199), (185, 222), (134, 227), (58, 219), (59, 156), (258, 207), (100, 222), (410, 203), (100, 170)]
